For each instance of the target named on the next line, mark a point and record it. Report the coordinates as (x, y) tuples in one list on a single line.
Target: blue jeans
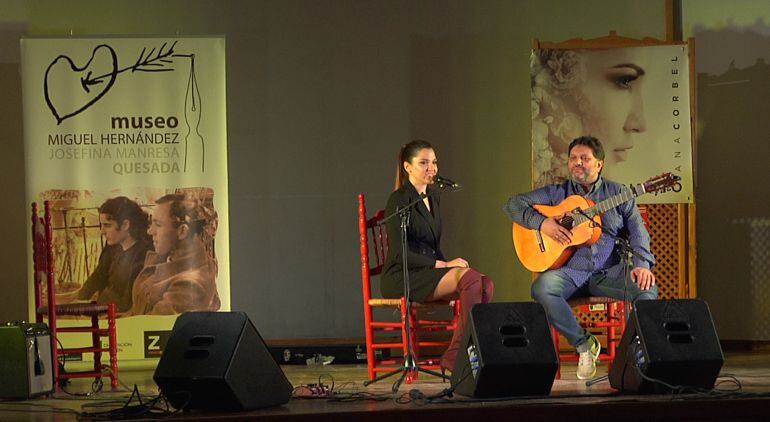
[(553, 288)]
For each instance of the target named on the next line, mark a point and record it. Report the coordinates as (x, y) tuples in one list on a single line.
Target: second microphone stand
[(411, 365), (627, 253)]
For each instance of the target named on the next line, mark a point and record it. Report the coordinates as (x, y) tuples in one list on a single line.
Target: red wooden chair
[(611, 325), (382, 335), (47, 309)]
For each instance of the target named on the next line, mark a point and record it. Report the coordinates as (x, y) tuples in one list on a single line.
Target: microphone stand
[(410, 360), (626, 252)]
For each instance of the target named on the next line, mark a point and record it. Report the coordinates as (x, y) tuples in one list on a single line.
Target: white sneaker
[(587, 362)]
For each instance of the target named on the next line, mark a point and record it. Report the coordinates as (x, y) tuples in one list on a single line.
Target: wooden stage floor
[(569, 400)]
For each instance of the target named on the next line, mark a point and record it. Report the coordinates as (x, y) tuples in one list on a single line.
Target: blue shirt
[(623, 220)]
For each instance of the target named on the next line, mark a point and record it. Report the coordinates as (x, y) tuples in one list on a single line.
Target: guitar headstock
[(661, 182)]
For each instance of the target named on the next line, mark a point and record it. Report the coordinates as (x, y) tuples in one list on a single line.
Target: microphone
[(443, 181)]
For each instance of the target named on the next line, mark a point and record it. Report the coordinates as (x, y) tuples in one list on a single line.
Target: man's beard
[(583, 177)]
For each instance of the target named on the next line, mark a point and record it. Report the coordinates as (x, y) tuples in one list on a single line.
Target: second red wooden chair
[(46, 310), (389, 334)]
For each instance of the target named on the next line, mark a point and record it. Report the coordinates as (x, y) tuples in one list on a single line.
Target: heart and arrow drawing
[(94, 80)]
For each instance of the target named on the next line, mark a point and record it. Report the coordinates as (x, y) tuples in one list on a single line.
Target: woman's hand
[(555, 231), (457, 262)]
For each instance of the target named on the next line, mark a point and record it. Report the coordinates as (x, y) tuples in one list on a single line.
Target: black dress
[(423, 245)]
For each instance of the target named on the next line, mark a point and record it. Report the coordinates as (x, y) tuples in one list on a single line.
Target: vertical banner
[(635, 100), (127, 140)]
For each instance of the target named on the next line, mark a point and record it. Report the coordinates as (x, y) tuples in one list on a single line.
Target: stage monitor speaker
[(673, 341), (218, 361), (506, 350), (26, 362)]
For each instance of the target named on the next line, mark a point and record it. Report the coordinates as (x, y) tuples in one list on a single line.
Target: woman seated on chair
[(124, 227), (431, 276)]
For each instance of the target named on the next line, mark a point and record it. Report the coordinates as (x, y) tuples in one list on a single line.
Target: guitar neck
[(608, 204)]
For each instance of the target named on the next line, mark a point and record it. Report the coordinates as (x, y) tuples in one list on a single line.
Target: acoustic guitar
[(582, 217)]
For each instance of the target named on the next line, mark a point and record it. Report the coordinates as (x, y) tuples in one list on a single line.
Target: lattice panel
[(664, 228), (592, 316), (758, 317), (663, 223)]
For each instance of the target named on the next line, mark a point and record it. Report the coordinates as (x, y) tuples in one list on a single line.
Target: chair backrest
[(645, 213), (371, 232), (43, 263)]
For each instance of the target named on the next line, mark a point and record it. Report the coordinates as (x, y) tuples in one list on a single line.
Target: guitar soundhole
[(567, 222)]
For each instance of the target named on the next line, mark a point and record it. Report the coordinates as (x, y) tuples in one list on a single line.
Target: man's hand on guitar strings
[(556, 231)]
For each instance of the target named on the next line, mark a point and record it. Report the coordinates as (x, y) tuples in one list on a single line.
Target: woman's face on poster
[(113, 232), (613, 107), (634, 99)]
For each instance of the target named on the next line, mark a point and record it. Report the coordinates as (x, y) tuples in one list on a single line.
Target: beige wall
[(733, 225), (320, 96)]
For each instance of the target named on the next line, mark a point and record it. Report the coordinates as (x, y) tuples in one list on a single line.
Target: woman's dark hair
[(408, 151), (120, 209), (590, 142)]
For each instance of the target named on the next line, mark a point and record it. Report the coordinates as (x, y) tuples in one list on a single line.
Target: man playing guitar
[(592, 268)]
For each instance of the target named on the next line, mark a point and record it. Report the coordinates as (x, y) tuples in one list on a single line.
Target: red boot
[(472, 290)]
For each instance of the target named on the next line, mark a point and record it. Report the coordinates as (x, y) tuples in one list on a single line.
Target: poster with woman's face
[(635, 100)]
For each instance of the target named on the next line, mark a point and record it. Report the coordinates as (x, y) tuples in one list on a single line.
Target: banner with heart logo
[(126, 138)]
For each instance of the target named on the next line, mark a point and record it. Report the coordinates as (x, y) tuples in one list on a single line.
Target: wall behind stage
[(733, 225), (320, 96)]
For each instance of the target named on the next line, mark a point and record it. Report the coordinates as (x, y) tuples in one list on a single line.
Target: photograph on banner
[(149, 256), (127, 140), (635, 100)]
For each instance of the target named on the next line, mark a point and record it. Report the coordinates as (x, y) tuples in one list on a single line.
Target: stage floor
[(570, 399)]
